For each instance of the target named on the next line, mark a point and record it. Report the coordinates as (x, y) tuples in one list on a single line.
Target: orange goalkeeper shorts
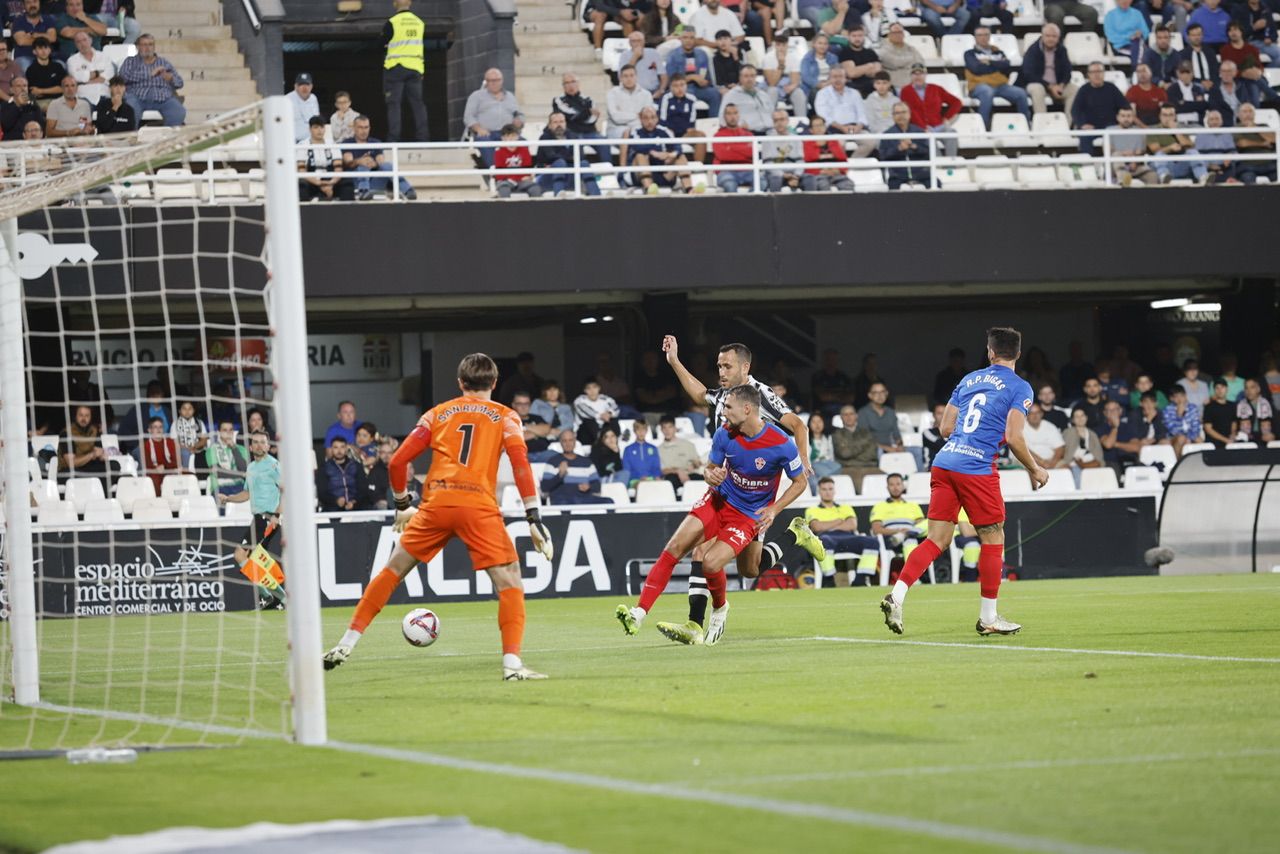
[(481, 530)]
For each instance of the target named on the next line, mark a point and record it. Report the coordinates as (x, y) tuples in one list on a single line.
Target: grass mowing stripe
[(176, 723), (1185, 656), (841, 815)]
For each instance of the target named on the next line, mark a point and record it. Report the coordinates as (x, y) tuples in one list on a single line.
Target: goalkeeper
[(466, 436)]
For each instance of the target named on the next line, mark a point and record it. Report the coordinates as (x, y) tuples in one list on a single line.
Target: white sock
[(511, 661), (988, 613), (351, 638), (639, 614), (899, 593)]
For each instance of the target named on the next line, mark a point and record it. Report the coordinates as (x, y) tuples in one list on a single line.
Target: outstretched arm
[(800, 433), (688, 381)]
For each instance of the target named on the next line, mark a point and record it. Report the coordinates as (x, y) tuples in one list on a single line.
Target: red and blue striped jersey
[(754, 465)]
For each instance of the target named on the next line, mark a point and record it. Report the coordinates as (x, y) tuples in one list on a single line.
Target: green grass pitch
[(871, 743)]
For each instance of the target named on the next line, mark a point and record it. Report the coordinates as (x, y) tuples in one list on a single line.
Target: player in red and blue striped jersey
[(747, 459), (994, 401)]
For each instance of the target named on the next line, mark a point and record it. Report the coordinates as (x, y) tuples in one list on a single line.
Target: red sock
[(717, 583), (921, 557), (511, 618), (374, 598), (990, 565), (656, 582)]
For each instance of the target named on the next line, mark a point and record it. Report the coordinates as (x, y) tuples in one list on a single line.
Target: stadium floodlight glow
[(608, 318), (587, 320), (1176, 302), (1203, 306)]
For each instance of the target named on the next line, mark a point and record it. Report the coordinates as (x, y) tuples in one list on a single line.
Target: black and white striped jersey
[(772, 408)]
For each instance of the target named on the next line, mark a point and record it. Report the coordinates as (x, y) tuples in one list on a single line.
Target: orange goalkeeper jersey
[(466, 436)]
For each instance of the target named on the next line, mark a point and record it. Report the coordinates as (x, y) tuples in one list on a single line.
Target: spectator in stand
[(1270, 381), (1219, 419), (1161, 58), (998, 9), (340, 482), (782, 73), (624, 103), (1035, 368), (641, 458), (696, 68), (1213, 19), (837, 528), (1203, 58), (986, 72), (1149, 423), (571, 478), (932, 107), (879, 104), (816, 66), (46, 73), (652, 145), (1165, 374), (10, 70), (854, 447), (1121, 438), (595, 412), (1198, 392), (342, 123), (581, 115), (625, 13), (933, 10), (661, 27), (931, 438), (1235, 382), (377, 476), (1128, 141), (1262, 142), (366, 155), (1096, 105), (26, 28), (1254, 415), (790, 150), (677, 112), (898, 58), (946, 380), (525, 379), (841, 106), (226, 461), (1260, 28), (366, 440), (552, 409), (70, 115), (256, 422), (755, 103), (553, 153), (912, 146), (91, 68), (119, 14), (1082, 447), (822, 455), (1044, 440), (712, 19), (153, 83), (865, 379), (876, 22), (514, 155), (1124, 368), (488, 110), (1094, 404), (84, 455), (320, 157), (345, 427), (1181, 420), (1232, 93), (189, 433), (1146, 97), (1046, 72), (607, 460), (132, 426), (536, 428), (1217, 141), (1141, 386), (679, 457), (1047, 403), (732, 154), (614, 385), (899, 521), (159, 453), (829, 152), (645, 61), (880, 418), (655, 387), (305, 106), (1055, 11), (1126, 29), (726, 63), (1247, 57), (832, 387)]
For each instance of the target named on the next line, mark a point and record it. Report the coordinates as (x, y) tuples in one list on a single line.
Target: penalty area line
[(1127, 653), (793, 809)]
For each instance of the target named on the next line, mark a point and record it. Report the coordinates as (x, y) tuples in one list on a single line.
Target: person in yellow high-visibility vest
[(403, 69)]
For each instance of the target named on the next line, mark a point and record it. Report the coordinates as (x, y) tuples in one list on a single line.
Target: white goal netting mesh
[(148, 332)]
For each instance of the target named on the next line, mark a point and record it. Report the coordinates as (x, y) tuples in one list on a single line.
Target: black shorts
[(263, 531)]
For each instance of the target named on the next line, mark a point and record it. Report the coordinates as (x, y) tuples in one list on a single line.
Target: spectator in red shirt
[(732, 153), (932, 107), (1248, 59), (512, 156), (830, 151), (1147, 98), (159, 453)]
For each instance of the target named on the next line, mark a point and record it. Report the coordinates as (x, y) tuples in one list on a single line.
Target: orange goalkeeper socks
[(375, 598), (511, 619)]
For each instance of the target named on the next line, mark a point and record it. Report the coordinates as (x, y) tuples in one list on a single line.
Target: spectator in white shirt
[(624, 103), (711, 19), (1044, 440), (781, 70), (1198, 391), (879, 104), (842, 107), (755, 103), (305, 105), (594, 412), (342, 124), (91, 69)]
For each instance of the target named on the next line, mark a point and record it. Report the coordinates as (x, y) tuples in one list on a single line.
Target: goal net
[(152, 367)]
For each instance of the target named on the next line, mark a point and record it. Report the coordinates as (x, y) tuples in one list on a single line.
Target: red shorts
[(978, 494), (721, 521)]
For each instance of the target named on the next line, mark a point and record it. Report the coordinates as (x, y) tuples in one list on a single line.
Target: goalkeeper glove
[(539, 534), (404, 512)]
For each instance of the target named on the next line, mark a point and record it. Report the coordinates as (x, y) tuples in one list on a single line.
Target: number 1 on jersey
[(464, 454), (974, 415)]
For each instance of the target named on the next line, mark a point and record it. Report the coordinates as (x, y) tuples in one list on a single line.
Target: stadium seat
[(1079, 172), (57, 512), (901, 462), (1011, 131), (755, 51), (154, 509), (1028, 40), (1119, 79), (616, 492), (202, 508), (1015, 482), (1083, 47), (103, 510), (1099, 480), (693, 491), (1060, 481), (1268, 118), (918, 486), (927, 46), (1008, 43), (1241, 446), (1145, 478), (950, 82), (1175, 39), (955, 178), (655, 492), (684, 9), (176, 185), (684, 426), (237, 510), (1273, 444), (844, 487), (953, 49), (702, 444), (973, 133), (176, 487), (1037, 173), (511, 502), (1198, 447), (130, 489), (80, 490), (1272, 76), (875, 486), (613, 50), (1051, 130), (994, 172), (1158, 456)]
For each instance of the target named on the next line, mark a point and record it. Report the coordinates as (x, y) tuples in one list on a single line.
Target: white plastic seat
[(994, 171), (900, 462), (844, 487), (1119, 79), (693, 491), (615, 492), (1083, 47), (1060, 481), (613, 49), (1197, 447), (1142, 477), (130, 489), (918, 487), (1037, 174), (1079, 173), (57, 512), (755, 51), (237, 510), (655, 492), (1050, 130), (684, 426), (953, 49), (176, 487), (103, 510), (955, 178), (1268, 118), (1008, 43), (202, 508), (1011, 130), (1098, 480), (950, 82), (927, 46), (1015, 482), (973, 133), (511, 498), (875, 486), (1150, 455), (155, 509), (118, 53), (80, 490), (176, 185), (1241, 446)]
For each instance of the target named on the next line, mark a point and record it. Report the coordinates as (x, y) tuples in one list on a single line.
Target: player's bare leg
[(990, 567), (716, 559), (938, 539), (692, 632), (373, 601), (684, 540), (510, 589)]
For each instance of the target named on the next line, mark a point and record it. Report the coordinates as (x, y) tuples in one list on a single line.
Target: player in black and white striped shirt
[(733, 365)]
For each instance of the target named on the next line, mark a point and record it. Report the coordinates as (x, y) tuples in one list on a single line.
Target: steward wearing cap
[(403, 69), (305, 105)]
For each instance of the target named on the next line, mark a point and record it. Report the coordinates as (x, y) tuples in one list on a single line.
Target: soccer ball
[(421, 627)]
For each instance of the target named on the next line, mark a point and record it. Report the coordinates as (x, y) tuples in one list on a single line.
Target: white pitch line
[(1016, 765), (1129, 653), (840, 815)]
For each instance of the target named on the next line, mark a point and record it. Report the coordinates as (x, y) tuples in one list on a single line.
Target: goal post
[(169, 260)]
